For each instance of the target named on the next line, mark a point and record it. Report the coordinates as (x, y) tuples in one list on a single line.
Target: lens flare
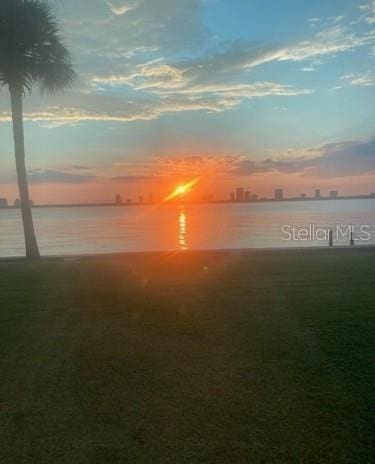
[(182, 189)]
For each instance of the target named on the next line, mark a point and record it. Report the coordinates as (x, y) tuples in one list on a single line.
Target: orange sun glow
[(182, 189)]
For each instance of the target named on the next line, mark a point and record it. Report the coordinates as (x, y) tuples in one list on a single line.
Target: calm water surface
[(70, 231)]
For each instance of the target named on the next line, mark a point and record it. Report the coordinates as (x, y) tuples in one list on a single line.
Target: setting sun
[(182, 189)]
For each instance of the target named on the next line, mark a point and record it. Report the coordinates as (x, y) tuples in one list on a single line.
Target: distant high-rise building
[(317, 194), (140, 200), (239, 194), (232, 197), (118, 200), (303, 195), (254, 197), (247, 196), (372, 195), (3, 203), (279, 194), (333, 194)]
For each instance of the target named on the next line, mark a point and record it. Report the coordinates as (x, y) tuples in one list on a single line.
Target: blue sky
[(166, 87)]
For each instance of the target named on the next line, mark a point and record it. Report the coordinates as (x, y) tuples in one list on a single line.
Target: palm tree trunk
[(16, 95)]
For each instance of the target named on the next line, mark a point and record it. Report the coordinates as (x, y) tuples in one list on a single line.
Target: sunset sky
[(254, 93)]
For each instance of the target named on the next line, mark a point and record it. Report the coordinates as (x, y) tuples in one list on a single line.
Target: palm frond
[(31, 51)]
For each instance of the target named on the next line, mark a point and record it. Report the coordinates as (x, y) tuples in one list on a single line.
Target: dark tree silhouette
[(31, 52)]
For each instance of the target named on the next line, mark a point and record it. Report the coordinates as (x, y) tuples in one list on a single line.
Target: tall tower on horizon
[(3, 203), (333, 194), (279, 194), (239, 194)]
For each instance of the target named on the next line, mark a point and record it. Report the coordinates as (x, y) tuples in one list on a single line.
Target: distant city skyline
[(240, 195), (259, 94)]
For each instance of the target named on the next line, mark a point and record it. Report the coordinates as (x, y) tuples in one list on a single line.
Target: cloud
[(81, 107), (366, 79), (245, 167), (118, 27), (223, 76), (313, 21), (41, 176), (117, 49), (226, 70), (76, 167), (351, 158), (337, 19), (131, 179), (333, 40), (148, 76), (343, 159), (244, 91), (166, 80), (369, 11), (241, 56), (333, 160), (196, 165), (122, 8)]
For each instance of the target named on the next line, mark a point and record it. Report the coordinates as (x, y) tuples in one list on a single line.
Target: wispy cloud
[(330, 41), (55, 176), (333, 160), (314, 21), (215, 81), (369, 11), (132, 179), (157, 83), (121, 8), (366, 79), (114, 110), (119, 27), (218, 70), (343, 159), (83, 107)]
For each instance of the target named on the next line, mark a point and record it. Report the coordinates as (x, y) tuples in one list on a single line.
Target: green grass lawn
[(258, 357)]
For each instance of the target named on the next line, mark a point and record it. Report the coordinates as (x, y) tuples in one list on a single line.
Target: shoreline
[(244, 252), (187, 203)]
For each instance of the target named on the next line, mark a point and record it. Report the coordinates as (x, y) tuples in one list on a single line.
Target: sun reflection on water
[(182, 230)]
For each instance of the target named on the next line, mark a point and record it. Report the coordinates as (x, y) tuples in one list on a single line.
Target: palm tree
[(31, 53)]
